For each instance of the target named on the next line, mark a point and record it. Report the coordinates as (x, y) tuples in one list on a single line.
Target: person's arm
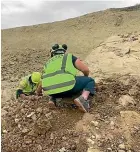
[(19, 92), (39, 89), (82, 67), (30, 97)]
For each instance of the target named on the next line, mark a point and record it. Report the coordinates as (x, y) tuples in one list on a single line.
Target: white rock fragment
[(25, 130), (93, 150), (62, 149), (98, 137), (122, 146), (16, 120), (19, 126), (5, 131), (52, 136), (95, 123), (93, 137), (28, 116), (112, 125), (90, 141), (109, 150)]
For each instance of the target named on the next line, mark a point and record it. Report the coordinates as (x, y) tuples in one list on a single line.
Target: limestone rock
[(62, 149), (90, 141), (122, 146), (95, 123), (112, 125), (32, 113), (125, 100)]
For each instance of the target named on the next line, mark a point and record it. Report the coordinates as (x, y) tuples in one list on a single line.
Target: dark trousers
[(82, 83)]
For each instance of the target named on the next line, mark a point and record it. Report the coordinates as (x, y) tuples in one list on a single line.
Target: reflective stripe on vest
[(60, 71), (58, 85)]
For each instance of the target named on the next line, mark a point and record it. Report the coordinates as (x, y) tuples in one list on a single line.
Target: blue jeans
[(82, 83)]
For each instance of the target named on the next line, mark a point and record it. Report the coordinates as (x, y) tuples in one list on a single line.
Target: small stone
[(107, 122), (122, 146), (34, 117), (3, 112), (95, 123), (109, 150), (28, 116), (98, 137), (11, 63), (12, 79), (73, 147), (28, 141), (39, 147), (64, 138), (121, 150), (39, 110), (93, 137), (16, 120), (90, 141), (52, 136), (5, 131), (62, 149), (33, 133), (48, 115), (19, 126), (25, 130), (112, 125)]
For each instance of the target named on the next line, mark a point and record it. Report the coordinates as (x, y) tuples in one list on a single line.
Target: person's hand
[(33, 97)]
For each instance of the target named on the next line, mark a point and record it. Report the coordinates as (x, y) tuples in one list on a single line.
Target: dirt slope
[(109, 41), (82, 34)]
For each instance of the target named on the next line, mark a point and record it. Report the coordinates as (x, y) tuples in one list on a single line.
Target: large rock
[(125, 100), (114, 57)]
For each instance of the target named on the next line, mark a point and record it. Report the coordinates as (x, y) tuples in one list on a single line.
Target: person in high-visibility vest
[(59, 78), (29, 87)]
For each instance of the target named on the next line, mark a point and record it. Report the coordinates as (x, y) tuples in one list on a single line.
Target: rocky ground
[(113, 123)]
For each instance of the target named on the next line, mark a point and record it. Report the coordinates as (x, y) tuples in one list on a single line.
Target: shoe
[(82, 104)]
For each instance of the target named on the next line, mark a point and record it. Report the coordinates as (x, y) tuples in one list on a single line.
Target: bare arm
[(39, 89), (23, 96), (82, 67)]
